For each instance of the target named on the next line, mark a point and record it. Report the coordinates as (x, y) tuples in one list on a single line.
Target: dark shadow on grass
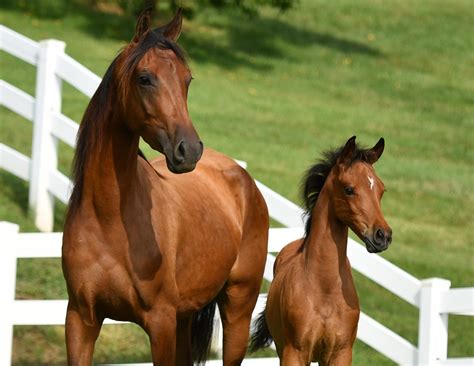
[(242, 41), (251, 42), (103, 25)]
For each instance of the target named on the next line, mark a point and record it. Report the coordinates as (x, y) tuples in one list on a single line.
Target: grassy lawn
[(275, 91)]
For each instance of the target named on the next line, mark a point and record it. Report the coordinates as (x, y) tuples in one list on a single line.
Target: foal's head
[(355, 192), (152, 81)]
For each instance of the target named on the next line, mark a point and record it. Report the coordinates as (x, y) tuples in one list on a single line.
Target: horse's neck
[(111, 172), (325, 251)]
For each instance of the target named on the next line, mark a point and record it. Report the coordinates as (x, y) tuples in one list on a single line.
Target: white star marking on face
[(371, 183)]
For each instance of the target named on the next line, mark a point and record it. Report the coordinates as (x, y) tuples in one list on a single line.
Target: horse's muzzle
[(378, 241), (184, 156)]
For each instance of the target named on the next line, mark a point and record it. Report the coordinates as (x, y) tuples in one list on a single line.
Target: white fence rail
[(433, 297), (49, 124)]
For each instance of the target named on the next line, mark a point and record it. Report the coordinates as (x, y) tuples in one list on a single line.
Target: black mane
[(315, 178), (103, 104)]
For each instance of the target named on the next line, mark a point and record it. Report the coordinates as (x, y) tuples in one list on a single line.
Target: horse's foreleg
[(80, 338), (183, 343), (236, 305), (161, 329)]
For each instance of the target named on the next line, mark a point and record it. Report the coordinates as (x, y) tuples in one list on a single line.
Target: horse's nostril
[(182, 148), (186, 151), (380, 237), (380, 234), (383, 237), (180, 152)]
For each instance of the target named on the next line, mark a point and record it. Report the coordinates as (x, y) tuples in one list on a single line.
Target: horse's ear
[(172, 30), (376, 151), (143, 24), (347, 152)]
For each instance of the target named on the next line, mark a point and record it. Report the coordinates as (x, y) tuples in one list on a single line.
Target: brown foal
[(143, 244), (312, 307)]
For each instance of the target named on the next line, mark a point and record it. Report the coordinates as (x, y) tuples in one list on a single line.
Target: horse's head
[(357, 192), (153, 81)]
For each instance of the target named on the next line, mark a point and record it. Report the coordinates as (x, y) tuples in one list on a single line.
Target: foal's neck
[(325, 250)]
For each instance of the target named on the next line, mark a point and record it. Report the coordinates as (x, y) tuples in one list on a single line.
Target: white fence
[(433, 297)]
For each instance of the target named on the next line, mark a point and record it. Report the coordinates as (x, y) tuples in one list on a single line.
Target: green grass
[(276, 91)]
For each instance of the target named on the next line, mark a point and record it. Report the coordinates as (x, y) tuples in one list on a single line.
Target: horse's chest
[(122, 268), (335, 313)]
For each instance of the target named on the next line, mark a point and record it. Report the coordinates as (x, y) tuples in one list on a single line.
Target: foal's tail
[(201, 332), (261, 336)]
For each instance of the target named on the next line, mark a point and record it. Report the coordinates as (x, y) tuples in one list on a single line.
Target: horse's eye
[(144, 80), (188, 81), (349, 191)]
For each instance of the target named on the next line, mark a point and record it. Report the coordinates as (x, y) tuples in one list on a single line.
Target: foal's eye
[(349, 191), (144, 80)]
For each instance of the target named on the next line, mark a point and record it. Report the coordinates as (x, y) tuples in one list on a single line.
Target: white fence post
[(44, 155), (433, 325), (8, 232)]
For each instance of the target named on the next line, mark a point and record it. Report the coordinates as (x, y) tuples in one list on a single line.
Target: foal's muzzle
[(378, 240)]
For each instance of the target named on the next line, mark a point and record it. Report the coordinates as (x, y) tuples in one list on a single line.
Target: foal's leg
[(236, 305), (293, 357), (160, 326), (183, 342), (80, 337), (341, 358)]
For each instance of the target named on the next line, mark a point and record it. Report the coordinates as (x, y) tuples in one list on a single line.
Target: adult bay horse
[(312, 307), (143, 244)]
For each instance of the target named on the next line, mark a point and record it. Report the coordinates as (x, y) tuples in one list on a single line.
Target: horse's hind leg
[(80, 338), (236, 304)]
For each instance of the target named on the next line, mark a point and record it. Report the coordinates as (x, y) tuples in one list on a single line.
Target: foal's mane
[(111, 93), (315, 177)]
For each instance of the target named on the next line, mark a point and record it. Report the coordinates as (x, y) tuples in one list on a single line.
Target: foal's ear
[(172, 30), (143, 25), (376, 152), (347, 151)]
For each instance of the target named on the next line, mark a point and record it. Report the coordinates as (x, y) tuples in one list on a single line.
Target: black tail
[(201, 332), (261, 336)]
